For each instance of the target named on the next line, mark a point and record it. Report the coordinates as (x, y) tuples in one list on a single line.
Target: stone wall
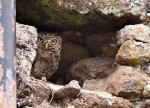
[(106, 49)]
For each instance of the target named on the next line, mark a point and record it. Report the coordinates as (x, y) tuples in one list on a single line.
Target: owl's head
[(48, 43)]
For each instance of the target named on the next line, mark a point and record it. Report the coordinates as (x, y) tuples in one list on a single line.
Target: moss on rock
[(48, 15)]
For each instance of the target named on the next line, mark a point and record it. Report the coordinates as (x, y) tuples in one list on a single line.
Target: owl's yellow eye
[(53, 42), (40, 39)]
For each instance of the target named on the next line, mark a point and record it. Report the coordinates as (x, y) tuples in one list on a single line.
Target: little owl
[(48, 55)]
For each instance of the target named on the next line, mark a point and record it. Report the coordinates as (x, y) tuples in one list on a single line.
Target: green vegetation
[(47, 15)]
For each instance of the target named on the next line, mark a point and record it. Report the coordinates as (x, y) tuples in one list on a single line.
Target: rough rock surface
[(93, 101), (95, 84), (88, 99), (138, 32), (117, 7), (143, 104), (26, 44), (91, 68), (133, 53), (43, 105), (100, 15), (127, 82), (31, 91), (146, 90), (146, 68), (147, 21), (135, 45), (70, 90)]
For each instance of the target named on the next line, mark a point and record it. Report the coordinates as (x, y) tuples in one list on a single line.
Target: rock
[(31, 91), (107, 7), (148, 6), (139, 32), (135, 45), (27, 107), (24, 61), (71, 53), (94, 101), (133, 53), (98, 44), (82, 15), (26, 44), (143, 104), (146, 91), (91, 68), (102, 94), (95, 84), (70, 90), (147, 21), (43, 105), (146, 68), (147, 103), (90, 99), (127, 82)]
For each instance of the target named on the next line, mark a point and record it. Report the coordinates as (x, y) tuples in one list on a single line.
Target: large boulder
[(135, 45), (127, 82), (133, 53), (83, 15), (91, 68), (26, 37), (137, 32)]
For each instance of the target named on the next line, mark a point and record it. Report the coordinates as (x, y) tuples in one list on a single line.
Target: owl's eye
[(53, 42), (40, 39)]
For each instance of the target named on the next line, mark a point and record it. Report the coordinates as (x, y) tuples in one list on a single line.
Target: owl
[(49, 48)]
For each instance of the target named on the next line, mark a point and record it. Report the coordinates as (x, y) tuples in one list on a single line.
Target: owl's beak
[(46, 46)]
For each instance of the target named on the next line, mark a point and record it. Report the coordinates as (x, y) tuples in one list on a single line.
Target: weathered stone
[(90, 99), (146, 91), (26, 36), (147, 103), (148, 6), (31, 91), (143, 104), (137, 32), (27, 107), (24, 61), (133, 53), (147, 21), (71, 53), (43, 105), (107, 7), (100, 15), (127, 82), (95, 84), (146, 68), (94, 101), (26, 44), (91, 68), (98, 44), (70, 90)]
